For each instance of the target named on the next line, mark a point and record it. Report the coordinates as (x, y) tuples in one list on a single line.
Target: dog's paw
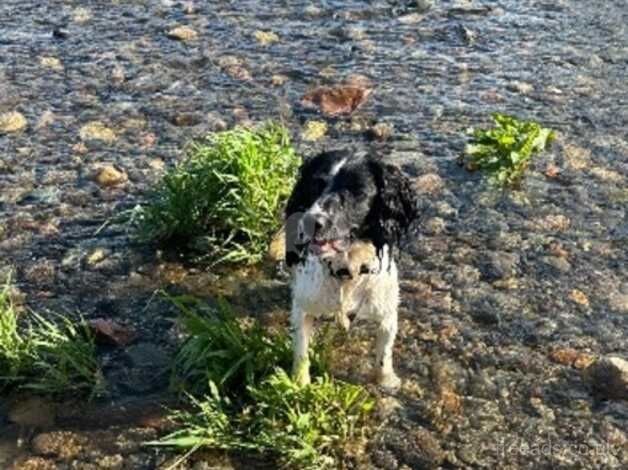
[(301, 373), (389, 381)]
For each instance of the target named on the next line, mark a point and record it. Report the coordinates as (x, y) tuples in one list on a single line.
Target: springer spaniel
[(344, 218)]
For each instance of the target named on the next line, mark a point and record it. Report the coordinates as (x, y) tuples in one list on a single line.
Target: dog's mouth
[(322, 247)]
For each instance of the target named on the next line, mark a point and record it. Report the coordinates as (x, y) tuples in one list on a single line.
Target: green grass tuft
[(225, 197), (230, 352), (250, 404), (305, 427), (47, 357), (505, 151)]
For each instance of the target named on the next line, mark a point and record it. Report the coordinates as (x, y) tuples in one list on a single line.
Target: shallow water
[(497, 271)]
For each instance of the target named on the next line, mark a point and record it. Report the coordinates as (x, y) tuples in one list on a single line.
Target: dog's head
[(340, 198)]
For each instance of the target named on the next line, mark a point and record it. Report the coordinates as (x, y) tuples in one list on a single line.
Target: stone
[(62, 444), (429, 183), (182, 33), (381, 131), (265, 38), (109, 176), (618, 302), (32, 412), (51, 63), (499, 265), (96, 256), (579, 297), (608, 377), (110, 332), (96, 130), (314, 130), (520, 87), (434, 226), (278, 79), (12, 121), (337, 100)]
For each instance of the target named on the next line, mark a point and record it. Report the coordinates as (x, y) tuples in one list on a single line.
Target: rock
[(424, 5), (186, 119), (417, 448), (109, 176), (579, 297), (606, 175), (46, 119), (499, 265), (314, 130), (12, 121), (109, 332), (434, 226), (147, 355), (608, 377), (429, 183), (520, 87), (577, 158), (554, 223), (337, 100), (33, 412), (81, 15), (411, 18), (51, 63), (182, 33), (238, 72), (61, 444), (96, 130), (34, 463), (552, 171), (381, 131), (266, 38), (618, 302), (560, 264), (96, 256), (278, 79)]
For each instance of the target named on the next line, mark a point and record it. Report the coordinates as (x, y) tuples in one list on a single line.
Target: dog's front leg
[(386, 333), (302, 325)]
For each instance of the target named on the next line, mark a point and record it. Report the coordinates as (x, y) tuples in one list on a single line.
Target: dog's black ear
[(314, 176), (394, 207)]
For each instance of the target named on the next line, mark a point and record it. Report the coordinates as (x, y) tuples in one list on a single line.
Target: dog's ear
[(314, 176), (394, 207)]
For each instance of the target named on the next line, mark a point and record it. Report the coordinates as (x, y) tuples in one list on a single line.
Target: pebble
[(265, 38), (51, 63), (608, 377), (12, 121), (381, 131), (110, 176), (314, 130), (579, 297), (429, 183), (618, 302), (182, 33), (97, 130), (61, 444), (278, 79), (434, 226)]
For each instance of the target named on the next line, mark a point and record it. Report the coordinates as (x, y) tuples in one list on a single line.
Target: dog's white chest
[(369, 296)]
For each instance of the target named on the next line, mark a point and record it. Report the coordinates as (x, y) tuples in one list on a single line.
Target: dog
[(344, 219)]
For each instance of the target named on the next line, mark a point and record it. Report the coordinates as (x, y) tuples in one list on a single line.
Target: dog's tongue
[(326, 246)]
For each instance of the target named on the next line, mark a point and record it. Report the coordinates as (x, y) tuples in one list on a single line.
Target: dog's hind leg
[(302, 326), (386, 333)]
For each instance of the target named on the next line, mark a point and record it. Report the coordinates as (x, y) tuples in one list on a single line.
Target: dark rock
[(608, 377), (499, 265)]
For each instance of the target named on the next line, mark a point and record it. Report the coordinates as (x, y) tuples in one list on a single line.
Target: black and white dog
[(344, 218)]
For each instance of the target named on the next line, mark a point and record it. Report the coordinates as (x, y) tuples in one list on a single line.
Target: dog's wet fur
[(344, 220)]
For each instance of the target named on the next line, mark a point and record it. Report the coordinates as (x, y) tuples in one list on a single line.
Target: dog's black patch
[(366, 199)]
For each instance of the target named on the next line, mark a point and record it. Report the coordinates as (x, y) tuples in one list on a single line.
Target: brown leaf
[(334, 101), (110, 332)]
